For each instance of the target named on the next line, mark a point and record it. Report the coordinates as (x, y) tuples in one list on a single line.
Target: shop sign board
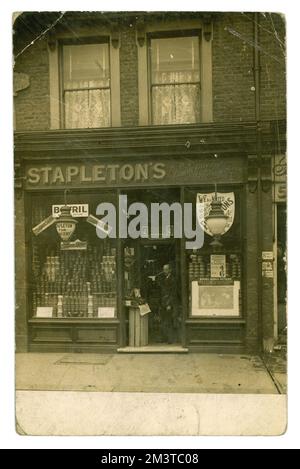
[(77, 210), (142, 173)]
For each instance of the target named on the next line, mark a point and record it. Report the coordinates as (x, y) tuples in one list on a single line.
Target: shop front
[(93, 286), (80, 291)]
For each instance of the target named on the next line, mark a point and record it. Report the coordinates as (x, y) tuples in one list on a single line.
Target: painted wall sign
[(184, 171), (77, 210)]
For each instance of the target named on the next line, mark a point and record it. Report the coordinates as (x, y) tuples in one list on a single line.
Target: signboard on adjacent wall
[(280, 178), (267, 255)]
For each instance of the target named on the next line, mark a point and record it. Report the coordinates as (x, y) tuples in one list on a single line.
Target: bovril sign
[(77, 210)]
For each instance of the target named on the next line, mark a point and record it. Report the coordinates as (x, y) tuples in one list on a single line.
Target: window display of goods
[(74, 283)]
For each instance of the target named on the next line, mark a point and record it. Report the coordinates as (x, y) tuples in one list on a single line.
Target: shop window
[(215, 275), (175, 80), (86, 85), (77, 280)]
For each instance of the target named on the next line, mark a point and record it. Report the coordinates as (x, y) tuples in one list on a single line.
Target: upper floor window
[(86, 85), (175, 80)]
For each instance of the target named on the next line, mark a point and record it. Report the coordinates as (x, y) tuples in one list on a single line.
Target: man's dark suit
[(168, 306)]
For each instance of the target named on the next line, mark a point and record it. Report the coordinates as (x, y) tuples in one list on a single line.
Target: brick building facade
[(234, 140)]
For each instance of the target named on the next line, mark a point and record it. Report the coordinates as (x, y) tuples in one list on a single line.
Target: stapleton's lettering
[(108, 173)]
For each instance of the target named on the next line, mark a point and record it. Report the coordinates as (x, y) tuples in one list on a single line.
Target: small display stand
[(138, 327)]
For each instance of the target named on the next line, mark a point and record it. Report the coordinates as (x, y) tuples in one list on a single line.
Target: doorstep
[(154, 349)]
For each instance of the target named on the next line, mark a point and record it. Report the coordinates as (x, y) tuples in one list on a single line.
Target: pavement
[(152, 373), (150, 394)]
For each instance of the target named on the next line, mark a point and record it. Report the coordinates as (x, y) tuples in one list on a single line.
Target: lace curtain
[(86, 86), (87, 109), (176, 98)]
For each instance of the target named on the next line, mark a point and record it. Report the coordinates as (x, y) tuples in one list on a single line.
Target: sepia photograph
[(150, 223)]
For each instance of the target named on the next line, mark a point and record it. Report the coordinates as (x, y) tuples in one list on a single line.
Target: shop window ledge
[(73, 320), (154, 349), (215, 320)]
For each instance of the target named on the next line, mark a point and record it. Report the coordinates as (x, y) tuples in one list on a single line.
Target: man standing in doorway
[(168, 304)]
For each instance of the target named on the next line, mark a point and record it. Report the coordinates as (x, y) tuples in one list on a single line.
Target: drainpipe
[(257, 75)]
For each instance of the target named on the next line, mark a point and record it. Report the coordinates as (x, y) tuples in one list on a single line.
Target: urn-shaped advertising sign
[(205, 203), (66, 224)]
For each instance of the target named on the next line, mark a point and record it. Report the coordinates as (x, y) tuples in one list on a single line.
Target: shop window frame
[(33, 198), (207, 250)]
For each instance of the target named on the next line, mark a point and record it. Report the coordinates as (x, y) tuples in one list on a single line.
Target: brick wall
[(273, 73), (233, 99), (32, 111), (233, 77), (129, 78), (233, 80)]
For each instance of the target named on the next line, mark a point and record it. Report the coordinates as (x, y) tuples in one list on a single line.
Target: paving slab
[(165, 373)]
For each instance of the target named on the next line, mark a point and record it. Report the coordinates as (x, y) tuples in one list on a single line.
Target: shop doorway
[(151, 271), (160, 287), (151, 268)]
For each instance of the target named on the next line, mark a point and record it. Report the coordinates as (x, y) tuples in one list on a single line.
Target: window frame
[(159, 29), (169, 35), (74, 42), (84, 36)]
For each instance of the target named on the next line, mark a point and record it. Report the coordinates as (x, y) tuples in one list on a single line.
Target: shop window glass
[(74, 282), (86, 86), (175, 80), (215, 275)]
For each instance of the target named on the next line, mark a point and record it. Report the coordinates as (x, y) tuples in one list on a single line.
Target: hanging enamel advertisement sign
[(203, 206)]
